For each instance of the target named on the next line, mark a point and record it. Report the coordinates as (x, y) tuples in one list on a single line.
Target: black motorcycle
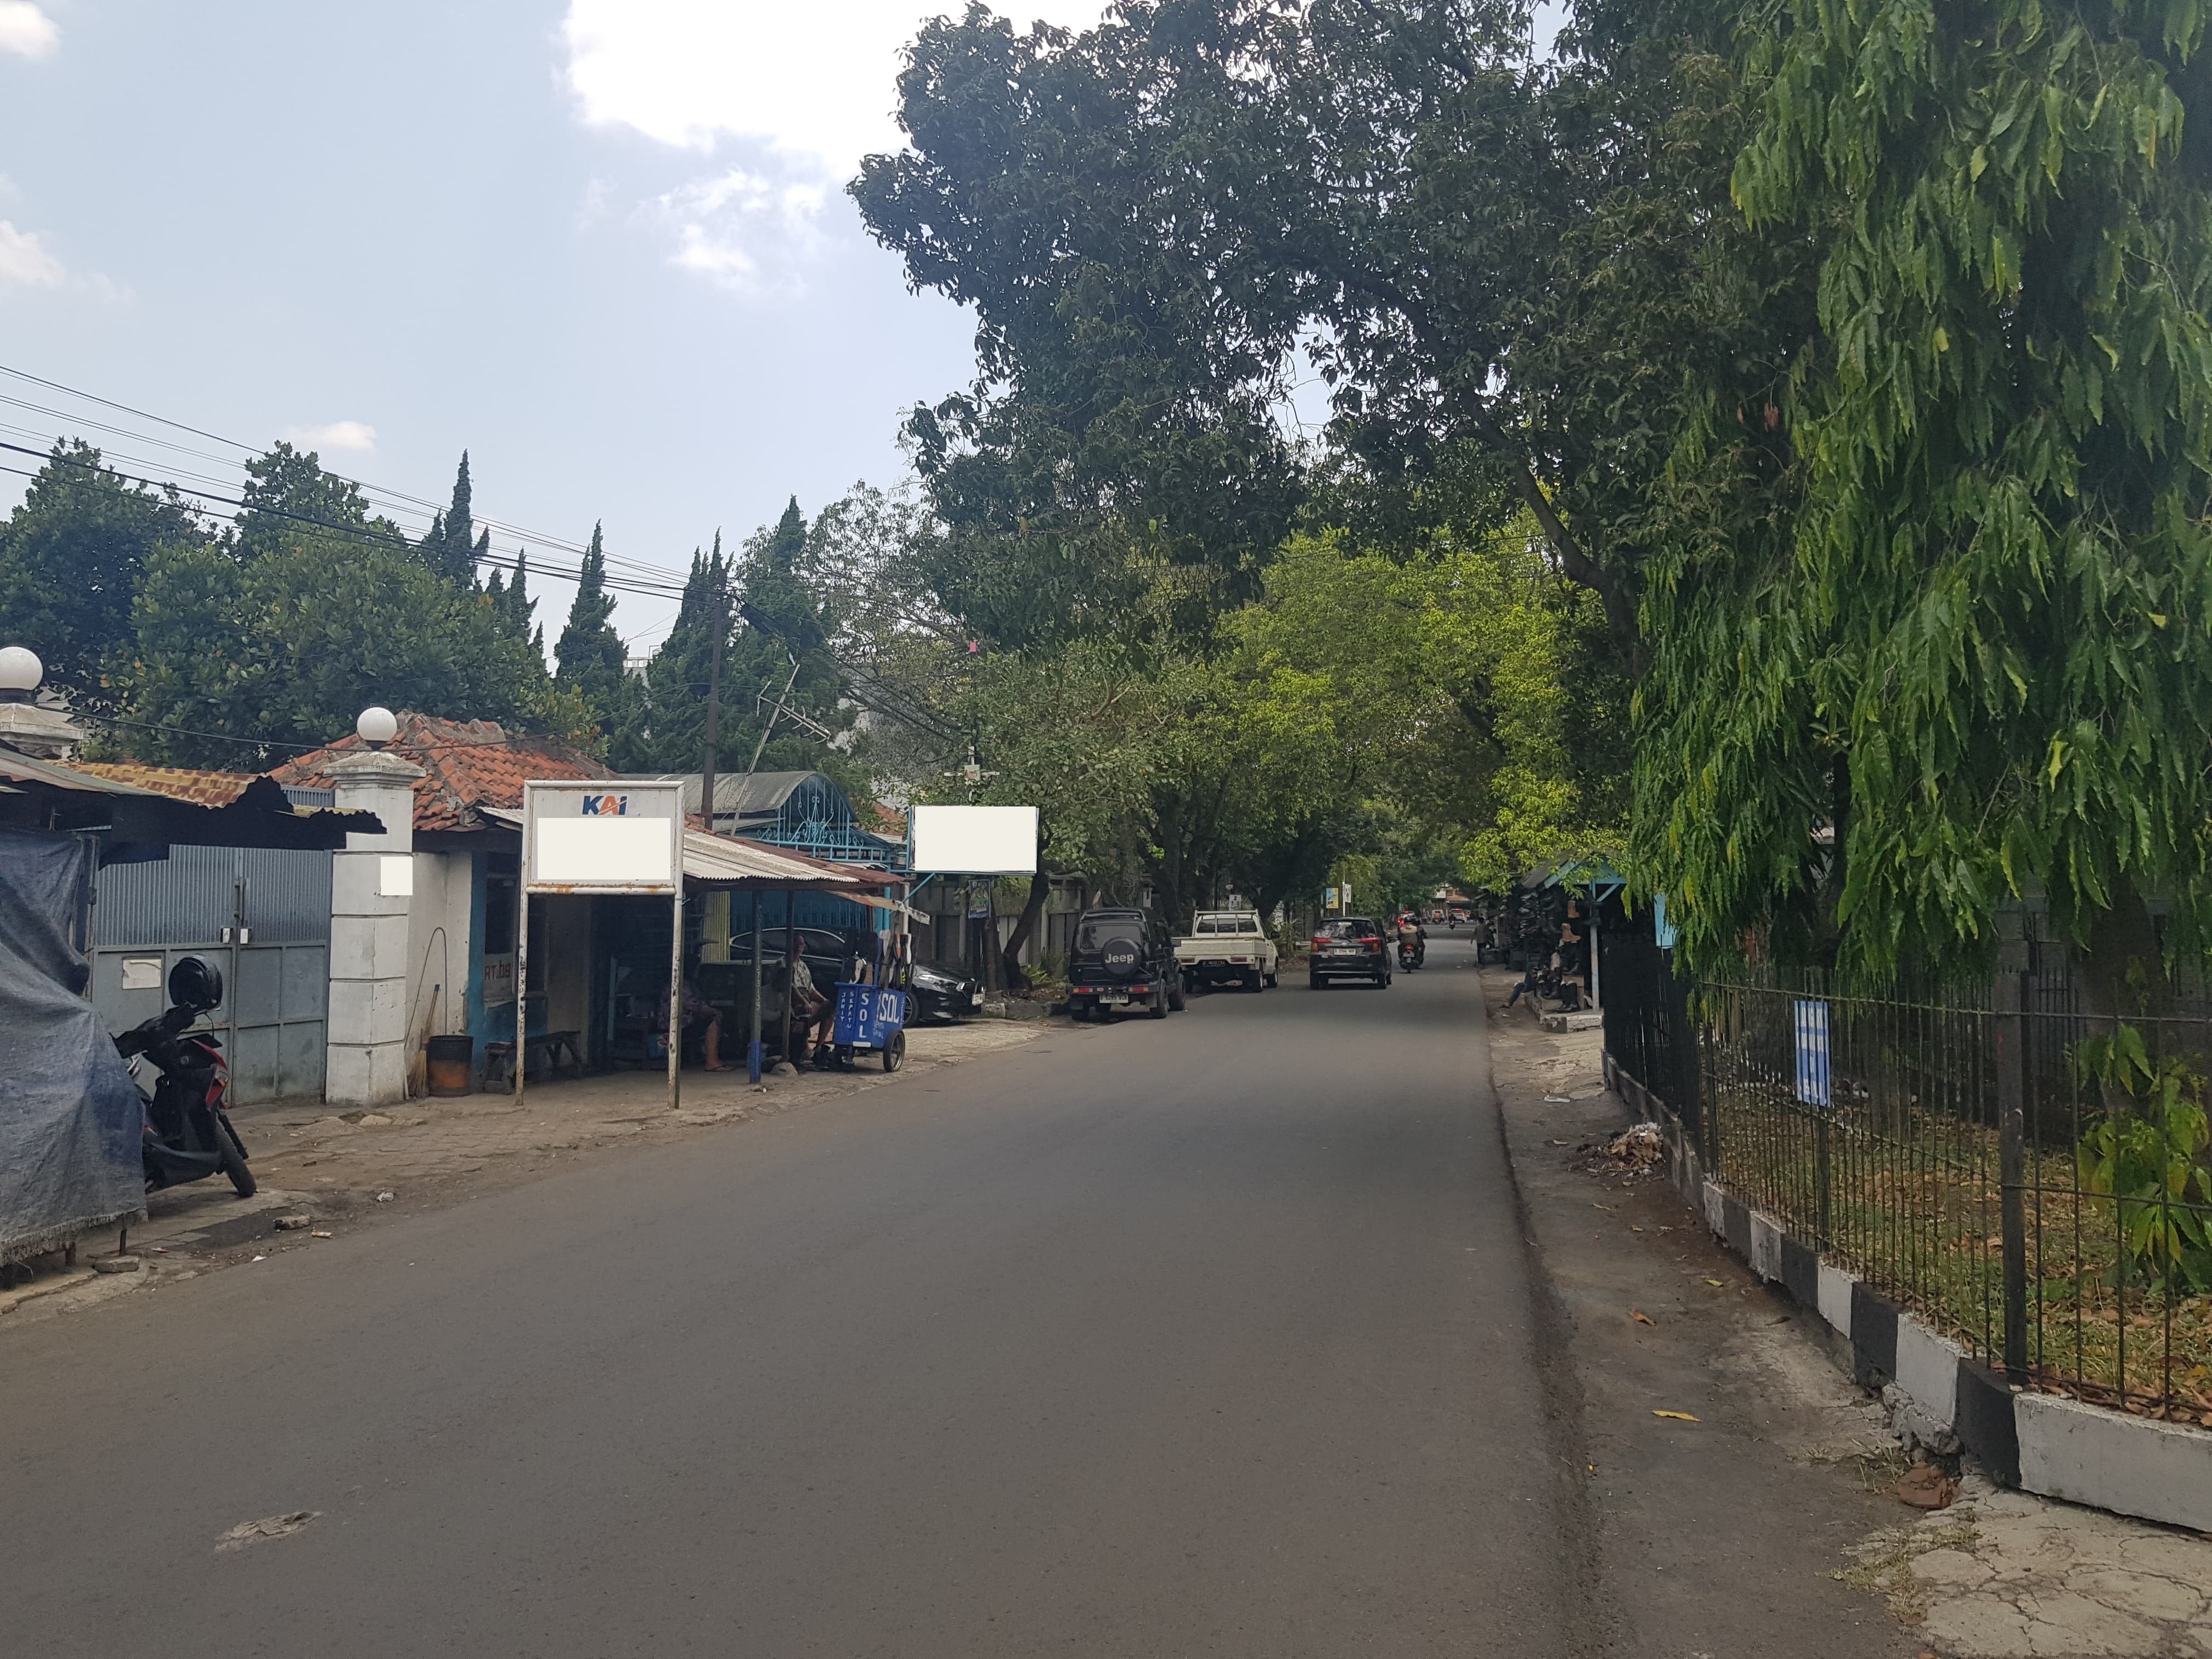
[(1412, 954), (187, 1134)]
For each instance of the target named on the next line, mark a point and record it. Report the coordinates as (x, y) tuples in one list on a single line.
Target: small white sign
[(499, 981), (602, 836), (395, 875), (142, 973)]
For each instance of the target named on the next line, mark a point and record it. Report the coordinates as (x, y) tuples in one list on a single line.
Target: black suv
[(1122, 961), (1348, 947)]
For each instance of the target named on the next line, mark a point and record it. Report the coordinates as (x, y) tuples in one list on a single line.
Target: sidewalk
[(330, 1171), (1787, 1464)]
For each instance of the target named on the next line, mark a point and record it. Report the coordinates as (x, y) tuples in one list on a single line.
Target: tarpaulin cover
[(70, 1114)]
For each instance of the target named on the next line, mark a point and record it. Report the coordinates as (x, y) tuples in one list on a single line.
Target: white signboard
[(974, 840), (598, 836)]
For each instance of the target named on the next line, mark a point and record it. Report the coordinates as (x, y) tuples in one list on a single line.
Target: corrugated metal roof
[(202, 788), (22, 769)]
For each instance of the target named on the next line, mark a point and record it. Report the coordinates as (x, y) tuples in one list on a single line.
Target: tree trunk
[(1010, 960)]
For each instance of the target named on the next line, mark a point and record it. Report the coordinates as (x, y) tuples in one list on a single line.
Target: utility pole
[(770, 726), (714, 703)]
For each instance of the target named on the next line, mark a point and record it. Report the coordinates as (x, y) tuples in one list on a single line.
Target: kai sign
[(585, 837)]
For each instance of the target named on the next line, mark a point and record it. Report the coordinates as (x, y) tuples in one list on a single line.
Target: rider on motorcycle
[(1413, 939)]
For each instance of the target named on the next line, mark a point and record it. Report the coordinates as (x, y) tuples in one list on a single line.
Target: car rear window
[(1345, 927), (1095, 931)]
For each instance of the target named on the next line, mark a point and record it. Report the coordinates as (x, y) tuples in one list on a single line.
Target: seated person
[(697, 1013), (809, 1008)]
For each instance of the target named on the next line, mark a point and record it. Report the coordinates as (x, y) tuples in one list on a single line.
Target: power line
[(560, 543), (362, 532)]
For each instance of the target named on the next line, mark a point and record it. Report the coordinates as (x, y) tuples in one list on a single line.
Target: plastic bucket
[(452, 1061)]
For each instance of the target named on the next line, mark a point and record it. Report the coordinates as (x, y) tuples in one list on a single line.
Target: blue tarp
[(70, 1114)]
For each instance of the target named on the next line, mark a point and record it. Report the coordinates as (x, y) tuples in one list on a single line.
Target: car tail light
[(1372, 941), (1321, 945)]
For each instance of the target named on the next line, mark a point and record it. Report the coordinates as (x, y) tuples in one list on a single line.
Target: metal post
[(790, 974), (1596, 999), (675, 991), (1821, 1173), (521, 978), (753, 1030), (2012, 1167)]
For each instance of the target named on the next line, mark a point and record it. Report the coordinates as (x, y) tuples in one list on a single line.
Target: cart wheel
[(894, 1051)]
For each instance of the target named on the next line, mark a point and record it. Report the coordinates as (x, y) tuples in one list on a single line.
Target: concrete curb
[(2045, 1444)]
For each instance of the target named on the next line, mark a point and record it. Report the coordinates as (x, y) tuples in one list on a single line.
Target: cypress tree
[(452, 548)]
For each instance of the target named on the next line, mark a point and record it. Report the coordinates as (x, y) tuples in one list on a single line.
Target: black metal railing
[(2034, 1181)]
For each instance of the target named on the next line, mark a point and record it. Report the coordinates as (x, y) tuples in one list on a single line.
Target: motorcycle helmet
[(195, 983)]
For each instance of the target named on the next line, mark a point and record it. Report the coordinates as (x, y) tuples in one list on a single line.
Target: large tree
[(591, 661), (1981, 651), (70, 557), (278, 638)]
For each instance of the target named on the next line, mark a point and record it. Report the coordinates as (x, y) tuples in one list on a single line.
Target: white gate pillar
[(372, 883)]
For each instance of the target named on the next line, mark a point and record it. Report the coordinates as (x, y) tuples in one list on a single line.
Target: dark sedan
[(940, 993)]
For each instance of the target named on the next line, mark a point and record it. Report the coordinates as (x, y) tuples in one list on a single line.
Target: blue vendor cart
[(869, 1018)]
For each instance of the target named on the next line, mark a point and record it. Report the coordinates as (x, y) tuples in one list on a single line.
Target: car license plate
[(1114, 999)]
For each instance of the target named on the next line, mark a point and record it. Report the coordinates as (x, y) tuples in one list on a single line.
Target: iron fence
[(2029, 1179)]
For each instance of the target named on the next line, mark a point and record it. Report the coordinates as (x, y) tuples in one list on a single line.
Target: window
[(1345, 928), (1097, 931), (499, 916)]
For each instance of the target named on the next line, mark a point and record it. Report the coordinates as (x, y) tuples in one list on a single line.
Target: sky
[(601, 245)]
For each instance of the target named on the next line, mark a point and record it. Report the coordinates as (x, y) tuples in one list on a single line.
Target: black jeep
[(1122, 961)]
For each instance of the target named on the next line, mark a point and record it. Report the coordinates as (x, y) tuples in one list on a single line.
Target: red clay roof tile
[(466, 764)]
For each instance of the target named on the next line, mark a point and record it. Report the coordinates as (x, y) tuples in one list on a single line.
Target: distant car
[(1226, 947), (1348, 947), (1122, 961)]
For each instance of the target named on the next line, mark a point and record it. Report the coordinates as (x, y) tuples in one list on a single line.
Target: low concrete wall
[(2048, 1444)]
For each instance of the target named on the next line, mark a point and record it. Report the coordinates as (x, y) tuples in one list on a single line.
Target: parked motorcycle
[(187, 1134)]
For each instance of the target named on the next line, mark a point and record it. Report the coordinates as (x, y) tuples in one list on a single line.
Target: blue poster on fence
[(1812, 1021)]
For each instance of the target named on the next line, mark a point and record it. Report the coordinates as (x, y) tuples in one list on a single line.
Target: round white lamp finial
[(20, 671), (378, 725)]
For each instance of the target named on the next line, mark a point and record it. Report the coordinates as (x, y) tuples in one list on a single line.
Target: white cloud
[(804, 91), (736, 228), (337, 435), (816, 81), (26, 30), (24, 261)]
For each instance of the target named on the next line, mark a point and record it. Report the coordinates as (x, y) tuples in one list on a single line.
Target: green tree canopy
[(71, 556)]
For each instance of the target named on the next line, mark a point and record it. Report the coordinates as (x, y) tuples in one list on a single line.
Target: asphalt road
[(1214, 1336)]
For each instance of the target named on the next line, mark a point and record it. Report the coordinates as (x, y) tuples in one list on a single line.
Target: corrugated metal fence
[(264, 917)]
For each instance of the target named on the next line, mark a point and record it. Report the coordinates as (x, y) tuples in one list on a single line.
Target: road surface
[(1209, 1336)]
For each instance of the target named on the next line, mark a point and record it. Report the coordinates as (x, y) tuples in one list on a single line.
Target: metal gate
[(263, 917)]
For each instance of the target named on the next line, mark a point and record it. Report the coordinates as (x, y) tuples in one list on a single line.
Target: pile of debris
[(1640, 1149)]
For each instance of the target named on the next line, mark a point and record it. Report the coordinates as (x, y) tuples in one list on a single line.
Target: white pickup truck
[(1227, 946)]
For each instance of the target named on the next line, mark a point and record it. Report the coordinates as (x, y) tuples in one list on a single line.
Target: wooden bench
[(546, 1047)]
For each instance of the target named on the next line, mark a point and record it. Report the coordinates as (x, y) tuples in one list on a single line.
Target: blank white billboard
[(974, 840)]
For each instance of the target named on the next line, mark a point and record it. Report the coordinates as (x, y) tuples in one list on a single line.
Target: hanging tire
[(894, 1051), (233, 1154)]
